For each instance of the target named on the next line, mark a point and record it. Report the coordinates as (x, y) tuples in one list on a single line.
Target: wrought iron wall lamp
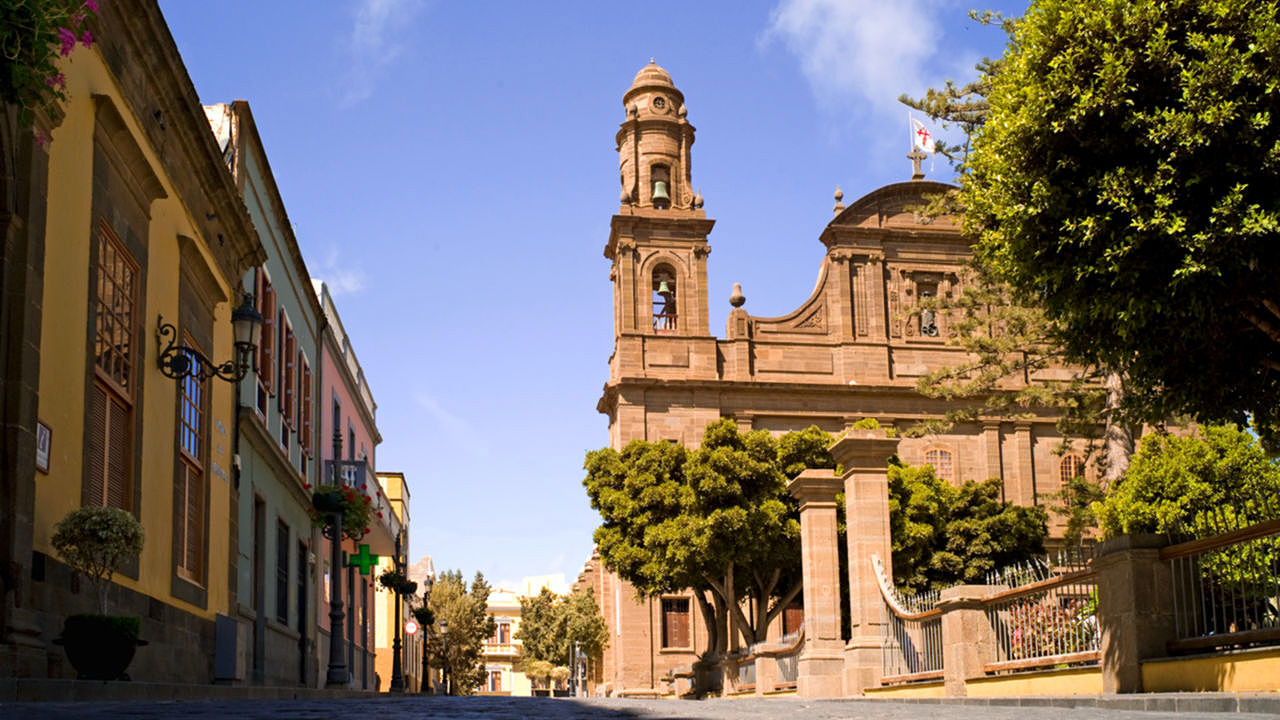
[(180, 361)]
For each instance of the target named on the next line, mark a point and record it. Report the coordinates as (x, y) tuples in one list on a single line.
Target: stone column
[(967, 638), (821, 662), (865, 454), (1135, 608)]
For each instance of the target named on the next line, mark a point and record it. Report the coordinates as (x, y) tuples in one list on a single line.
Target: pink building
[(349, 435)]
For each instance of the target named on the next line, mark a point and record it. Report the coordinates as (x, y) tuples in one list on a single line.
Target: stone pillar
[(967, 638), (821, 662), (1135, 608), (865, 454)]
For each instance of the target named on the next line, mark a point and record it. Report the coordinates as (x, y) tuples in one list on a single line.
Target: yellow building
[(132, 225), (396, 491), (502, 651)]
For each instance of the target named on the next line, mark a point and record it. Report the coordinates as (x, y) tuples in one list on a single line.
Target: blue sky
[(450, 171)]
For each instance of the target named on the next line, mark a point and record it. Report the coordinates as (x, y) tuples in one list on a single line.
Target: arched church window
[(664, 299), (928, 316), (1070, 468), (660, 185), (942, 463)]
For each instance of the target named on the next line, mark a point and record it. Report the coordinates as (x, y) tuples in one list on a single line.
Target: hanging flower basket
[(356, 509)]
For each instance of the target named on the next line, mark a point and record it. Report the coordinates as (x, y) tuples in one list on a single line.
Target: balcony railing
[(357, 475)]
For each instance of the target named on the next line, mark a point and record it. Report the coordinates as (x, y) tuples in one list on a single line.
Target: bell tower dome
[(658, 239), (654, 144)]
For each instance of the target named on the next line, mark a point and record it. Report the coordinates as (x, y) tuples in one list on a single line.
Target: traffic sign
[(410, 627)]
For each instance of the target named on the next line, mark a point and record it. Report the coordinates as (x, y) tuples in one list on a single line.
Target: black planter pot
[(100, 647), (326, 502)]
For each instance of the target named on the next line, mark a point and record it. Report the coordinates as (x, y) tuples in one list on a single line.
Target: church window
[(1070, 468), (675, 623), (664, 299), (928, 314), (942, 463)]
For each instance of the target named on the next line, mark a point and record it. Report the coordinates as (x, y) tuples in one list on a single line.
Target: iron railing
[(1225, 574), (911, 636), (1044, 614)]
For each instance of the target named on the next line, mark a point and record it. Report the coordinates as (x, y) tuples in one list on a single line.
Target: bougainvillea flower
[(86, 39), (92, 5), (68, 39)]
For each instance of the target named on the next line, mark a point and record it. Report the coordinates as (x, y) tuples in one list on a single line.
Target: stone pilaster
[(1135, 608), (864, 455), (967, 639), (821, 662)]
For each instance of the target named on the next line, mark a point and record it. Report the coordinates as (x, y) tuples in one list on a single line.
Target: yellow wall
[(1248, 671), (914, 690), (1070, 681), (64, 352)]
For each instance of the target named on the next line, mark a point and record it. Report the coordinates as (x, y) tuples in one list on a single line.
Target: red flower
[(307, 486), (379, 515), (366, 499)]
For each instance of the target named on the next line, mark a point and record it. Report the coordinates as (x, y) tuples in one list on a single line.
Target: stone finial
[(697, 199), (682, 112), (839, 196), (737, 299)]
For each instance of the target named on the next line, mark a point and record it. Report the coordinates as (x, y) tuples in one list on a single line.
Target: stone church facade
[(854, 349)]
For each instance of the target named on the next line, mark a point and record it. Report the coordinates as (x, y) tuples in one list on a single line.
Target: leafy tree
[(1217, 475), (460, 650), (944, 534), (550, 626), (716, 519), (539, 671), (537, 633), (1125, 180)]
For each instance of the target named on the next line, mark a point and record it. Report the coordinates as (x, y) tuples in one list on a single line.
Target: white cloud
[(342, 277), (860, 53), (374, 44), (456, 430)]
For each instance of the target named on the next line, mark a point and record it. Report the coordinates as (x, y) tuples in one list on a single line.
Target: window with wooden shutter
[(675, 623), (109, 425), (289, 376), (942, 463), (267, 347), (307, 410)]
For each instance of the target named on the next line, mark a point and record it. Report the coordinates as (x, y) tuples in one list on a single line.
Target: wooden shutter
[(97, 441), (194, 534)]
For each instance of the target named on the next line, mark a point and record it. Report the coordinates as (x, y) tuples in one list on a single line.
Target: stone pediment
[(893, 207)]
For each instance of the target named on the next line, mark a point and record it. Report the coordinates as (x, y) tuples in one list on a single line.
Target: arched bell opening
[(665, 317)]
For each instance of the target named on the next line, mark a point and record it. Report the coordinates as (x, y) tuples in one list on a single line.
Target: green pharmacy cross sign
[(363, 560)]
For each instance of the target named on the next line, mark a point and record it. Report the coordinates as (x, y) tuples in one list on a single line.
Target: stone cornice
[(256, 433)]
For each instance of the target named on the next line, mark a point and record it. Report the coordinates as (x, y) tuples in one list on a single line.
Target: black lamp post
[(337, 675), (179, 361), (397, 670), (444, 655), (428, 583)]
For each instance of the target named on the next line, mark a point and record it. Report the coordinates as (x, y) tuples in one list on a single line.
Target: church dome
[(652, 74)]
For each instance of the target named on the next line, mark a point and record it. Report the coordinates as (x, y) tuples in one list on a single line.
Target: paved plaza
[(507, 708)]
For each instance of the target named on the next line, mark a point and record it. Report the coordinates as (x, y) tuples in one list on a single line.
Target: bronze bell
[(660, 193), (663, 288)]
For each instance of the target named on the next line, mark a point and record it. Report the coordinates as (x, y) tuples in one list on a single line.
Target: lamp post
[(428, 582), (397, 670), (337, 676), (444, 655)]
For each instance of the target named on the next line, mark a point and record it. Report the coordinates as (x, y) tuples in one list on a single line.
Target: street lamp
[(444, 654), (180, 361), (337, 675), (428, 582), (397, 671)]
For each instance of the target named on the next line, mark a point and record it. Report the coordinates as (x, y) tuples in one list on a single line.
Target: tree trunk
[(1117, 437)]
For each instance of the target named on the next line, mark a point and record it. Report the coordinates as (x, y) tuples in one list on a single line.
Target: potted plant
[(356, 507), (94, 542), (397, 583)]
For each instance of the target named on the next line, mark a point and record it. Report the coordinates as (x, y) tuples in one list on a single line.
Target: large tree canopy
[(717, 519), (460, 649), (1127, 180)]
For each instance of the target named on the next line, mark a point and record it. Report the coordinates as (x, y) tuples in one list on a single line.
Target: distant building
[(396, 491), (502, 650)]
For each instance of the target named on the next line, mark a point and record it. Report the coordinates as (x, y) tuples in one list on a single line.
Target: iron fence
[(1044, 614)]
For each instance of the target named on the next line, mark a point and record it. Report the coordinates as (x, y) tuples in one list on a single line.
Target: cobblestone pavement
[(505, 708)]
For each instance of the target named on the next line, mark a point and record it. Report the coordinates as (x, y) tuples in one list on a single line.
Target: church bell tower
[(658, 239)]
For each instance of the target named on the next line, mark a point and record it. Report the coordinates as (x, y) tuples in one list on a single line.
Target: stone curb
[(1207, 702), (42, 690)]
